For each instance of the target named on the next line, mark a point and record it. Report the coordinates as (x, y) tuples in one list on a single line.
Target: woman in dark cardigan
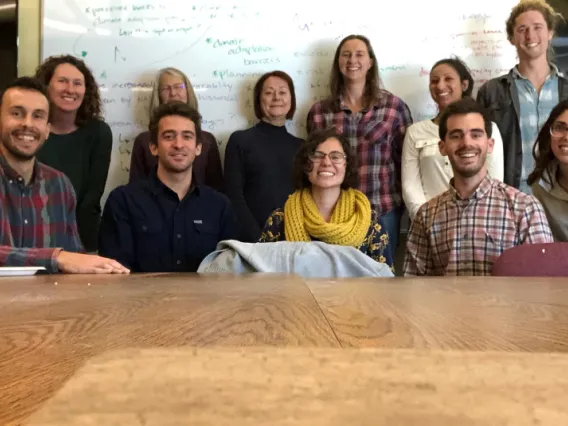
[(80, 142), (173, 85), (259, 160)]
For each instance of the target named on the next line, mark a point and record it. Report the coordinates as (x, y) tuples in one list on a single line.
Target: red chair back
[(533, 260)]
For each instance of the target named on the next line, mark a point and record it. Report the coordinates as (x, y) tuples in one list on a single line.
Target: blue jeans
[(391, 221)]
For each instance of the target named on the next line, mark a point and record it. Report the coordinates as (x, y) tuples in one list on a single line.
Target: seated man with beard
[(38, 226), (465, 229)]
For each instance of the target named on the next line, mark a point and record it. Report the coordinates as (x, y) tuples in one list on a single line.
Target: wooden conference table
[(50, 325)]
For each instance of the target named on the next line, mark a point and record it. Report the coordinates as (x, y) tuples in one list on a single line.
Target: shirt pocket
[(207, 236), (428, 148), (488, 246), (500, 110), (149, 238)]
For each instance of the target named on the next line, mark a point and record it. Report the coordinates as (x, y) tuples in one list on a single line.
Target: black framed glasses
[(335, 157), (559, 129)]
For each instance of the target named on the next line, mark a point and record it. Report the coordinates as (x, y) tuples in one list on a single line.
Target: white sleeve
[(412, 191), (495, 161)]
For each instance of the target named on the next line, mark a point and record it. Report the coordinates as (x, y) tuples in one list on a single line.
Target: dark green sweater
[(84, 156)]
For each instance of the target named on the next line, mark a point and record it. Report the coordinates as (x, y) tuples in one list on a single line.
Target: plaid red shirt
[(37, 220), (376, 135), (455, 236)]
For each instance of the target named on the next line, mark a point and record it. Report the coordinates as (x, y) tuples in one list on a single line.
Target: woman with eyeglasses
[(325, 206), (173, 85), (549, 179)]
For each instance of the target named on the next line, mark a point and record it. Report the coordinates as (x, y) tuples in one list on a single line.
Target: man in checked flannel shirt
[(37, 203), (465, 229)]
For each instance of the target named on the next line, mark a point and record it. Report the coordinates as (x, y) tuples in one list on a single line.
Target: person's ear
[(154, 149)]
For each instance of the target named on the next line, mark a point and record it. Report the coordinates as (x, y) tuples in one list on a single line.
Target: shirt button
[(11, 181), (179, 235), (26, 221), (179, 262)]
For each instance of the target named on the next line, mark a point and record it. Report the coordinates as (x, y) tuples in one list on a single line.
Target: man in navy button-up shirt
[(167, 223)]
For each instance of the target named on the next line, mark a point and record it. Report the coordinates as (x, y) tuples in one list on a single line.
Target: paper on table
[(15, 271)]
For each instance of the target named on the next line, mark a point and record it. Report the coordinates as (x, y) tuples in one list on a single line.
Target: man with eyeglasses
[(465, 229)]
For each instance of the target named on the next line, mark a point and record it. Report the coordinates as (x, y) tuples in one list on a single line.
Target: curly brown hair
[(551, 17), (303, 165), (542, 152), (91, 107)]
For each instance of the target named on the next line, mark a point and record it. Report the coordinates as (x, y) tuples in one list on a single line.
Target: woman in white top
[(425, 172)]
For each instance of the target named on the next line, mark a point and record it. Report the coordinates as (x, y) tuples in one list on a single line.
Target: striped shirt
[(37, 220), (375, 135), (455, 236), (535, 107)]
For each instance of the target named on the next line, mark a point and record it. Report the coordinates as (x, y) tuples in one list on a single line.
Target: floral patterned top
[(376, 243)]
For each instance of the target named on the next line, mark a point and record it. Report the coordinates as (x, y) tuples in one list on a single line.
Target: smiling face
[(177, 144), (275, 98), (67, 88), (466, 144), (24, 123), (445, 85), (328, 163), (531, 35), (559, 138), (172, 88), (354, 60)]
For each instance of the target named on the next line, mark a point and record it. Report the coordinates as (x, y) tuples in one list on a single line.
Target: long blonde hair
[(155, 98)]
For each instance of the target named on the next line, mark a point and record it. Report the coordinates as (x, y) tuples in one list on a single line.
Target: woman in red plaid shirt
[(373, 120)]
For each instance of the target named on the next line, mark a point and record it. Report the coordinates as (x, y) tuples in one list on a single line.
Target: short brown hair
[(258, 91), (550, 16), (178, 108), (303, 165), (26, 83), (91, 107), (463, 107)]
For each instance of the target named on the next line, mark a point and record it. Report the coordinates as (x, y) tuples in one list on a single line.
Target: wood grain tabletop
[(312, 387), (465, 313), (49, 325)]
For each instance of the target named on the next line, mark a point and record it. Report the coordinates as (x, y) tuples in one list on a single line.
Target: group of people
[(482, 176)]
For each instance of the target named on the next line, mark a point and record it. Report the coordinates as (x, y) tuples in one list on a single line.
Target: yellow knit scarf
[(349, 222)]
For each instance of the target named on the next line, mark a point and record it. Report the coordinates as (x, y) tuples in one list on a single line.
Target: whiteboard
[(225, 46)]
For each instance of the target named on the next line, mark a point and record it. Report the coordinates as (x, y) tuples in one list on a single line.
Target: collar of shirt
[(343, 107), (554, 72), (11, 174), (553, 188), (482, 190), (157, 187)]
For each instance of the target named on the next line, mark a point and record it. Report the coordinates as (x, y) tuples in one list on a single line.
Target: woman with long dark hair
[(373, 120), (549, 179)]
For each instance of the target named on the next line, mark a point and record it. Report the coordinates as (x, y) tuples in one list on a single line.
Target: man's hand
[(77, 263)]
